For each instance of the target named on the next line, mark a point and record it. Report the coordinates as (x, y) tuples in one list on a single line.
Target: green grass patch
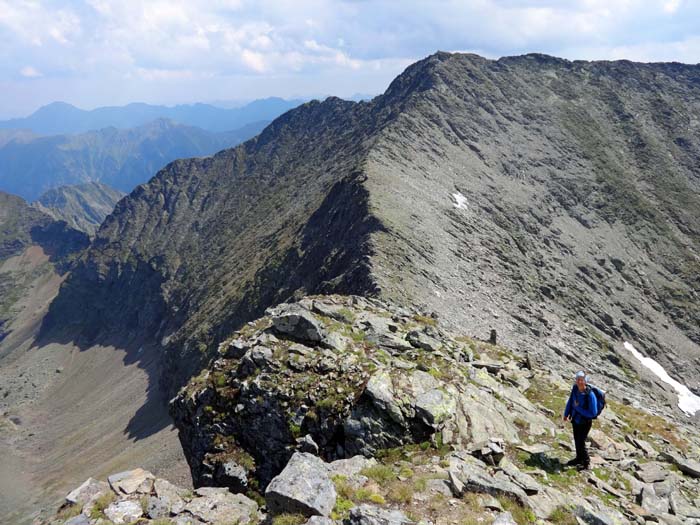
[(563, 515), (521, 515), (288, 518), (379, 473), (101, 503)]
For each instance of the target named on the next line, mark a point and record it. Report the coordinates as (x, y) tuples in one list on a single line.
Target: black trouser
[(580, 434)]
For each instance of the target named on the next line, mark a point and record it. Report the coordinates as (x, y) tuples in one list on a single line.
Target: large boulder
[(304, 486), (138, 481), (468, 474), (298, 323), (90, 489)]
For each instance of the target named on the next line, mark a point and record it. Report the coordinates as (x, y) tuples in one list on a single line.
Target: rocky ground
[(346, 409)]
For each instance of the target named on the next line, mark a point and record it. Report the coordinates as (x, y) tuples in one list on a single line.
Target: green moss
[(342, 508), (295, 430)]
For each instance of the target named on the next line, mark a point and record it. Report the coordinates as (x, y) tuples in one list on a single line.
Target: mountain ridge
[(405, 155)]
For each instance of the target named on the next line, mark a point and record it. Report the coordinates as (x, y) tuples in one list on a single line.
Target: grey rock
[(81, 519), (422, 340), (299, 324), (687, 466), (87, 491), (122, 512), (304, 486), (439, 486), (218, 505), (336, 341), (233, 349), (380, 390), (504, 518), (307, 444), (319, 520), (434, 406), (652, 472), (468, 474), (350, 467), (170, 494), (157, 507), (132, 481), (651, 502), (523, 480), (599, 516), (371, 515), (680, 506)]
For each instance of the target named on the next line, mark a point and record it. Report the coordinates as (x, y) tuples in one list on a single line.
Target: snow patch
[(687, 401), (460, 201)]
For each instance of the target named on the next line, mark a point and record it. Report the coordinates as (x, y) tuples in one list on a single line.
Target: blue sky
[(103, 52)]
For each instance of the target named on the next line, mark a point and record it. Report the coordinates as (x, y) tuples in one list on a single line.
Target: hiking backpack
[(599, 396)]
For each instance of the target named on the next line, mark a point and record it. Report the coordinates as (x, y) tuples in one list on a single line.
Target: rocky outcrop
[(343, 373), (345, 377)]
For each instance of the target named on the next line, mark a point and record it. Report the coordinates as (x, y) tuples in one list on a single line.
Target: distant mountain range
[(121, 159), (60, 118), (82, 206)]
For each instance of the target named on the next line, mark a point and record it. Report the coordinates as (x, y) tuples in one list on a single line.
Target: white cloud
[(30, 72), (364, 43)]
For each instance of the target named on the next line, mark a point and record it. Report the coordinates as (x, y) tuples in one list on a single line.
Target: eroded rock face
[(281, 378)]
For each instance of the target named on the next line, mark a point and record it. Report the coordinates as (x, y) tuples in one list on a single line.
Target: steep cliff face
[(554, 201)]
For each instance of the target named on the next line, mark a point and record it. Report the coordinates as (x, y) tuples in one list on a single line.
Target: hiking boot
[(583, 466), (573, 462)]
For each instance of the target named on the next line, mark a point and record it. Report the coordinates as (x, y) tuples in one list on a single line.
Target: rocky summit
[(349, 410)]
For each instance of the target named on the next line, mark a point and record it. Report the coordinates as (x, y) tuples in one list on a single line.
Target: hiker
[(581, 410)]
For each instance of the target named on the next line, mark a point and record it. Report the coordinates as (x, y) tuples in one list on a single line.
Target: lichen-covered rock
[(218, 505), (304, 486)]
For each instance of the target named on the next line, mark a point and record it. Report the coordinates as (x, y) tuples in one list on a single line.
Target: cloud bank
[(93, 52)]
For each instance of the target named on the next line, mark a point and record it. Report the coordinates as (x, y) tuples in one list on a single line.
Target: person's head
[(581, 380)]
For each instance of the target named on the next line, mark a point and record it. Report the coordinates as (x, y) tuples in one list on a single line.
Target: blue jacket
[(579, 408)]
